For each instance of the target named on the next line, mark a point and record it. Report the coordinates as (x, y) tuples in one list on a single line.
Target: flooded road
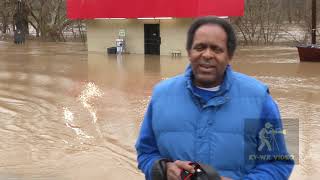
[(69, 115)]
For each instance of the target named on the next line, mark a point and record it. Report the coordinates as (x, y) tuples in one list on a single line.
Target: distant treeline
[(264, 20), (46, 17)]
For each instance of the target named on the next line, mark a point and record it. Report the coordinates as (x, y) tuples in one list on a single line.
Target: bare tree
[(48, 18), (248, 25), (270, 20), (302, 19), (6, 13), (261, 22)]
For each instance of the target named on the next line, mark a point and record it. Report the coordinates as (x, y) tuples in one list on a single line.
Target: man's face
[(209, 55)]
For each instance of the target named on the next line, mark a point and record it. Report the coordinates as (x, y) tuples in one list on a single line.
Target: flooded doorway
[(152, 39)]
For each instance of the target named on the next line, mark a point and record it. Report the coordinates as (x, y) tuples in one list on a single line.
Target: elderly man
[(211, 114)]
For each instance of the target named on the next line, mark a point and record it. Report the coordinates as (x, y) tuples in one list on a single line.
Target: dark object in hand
[(202, 172)]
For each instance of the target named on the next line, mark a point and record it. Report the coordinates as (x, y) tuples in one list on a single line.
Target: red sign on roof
[(89, 9)]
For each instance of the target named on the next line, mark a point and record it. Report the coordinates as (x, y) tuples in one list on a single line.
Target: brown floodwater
[(69, 115)]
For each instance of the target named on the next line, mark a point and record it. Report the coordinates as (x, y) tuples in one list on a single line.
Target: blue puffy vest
[(220, 132)]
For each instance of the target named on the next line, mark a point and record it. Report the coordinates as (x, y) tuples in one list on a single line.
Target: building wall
[(102, 34)]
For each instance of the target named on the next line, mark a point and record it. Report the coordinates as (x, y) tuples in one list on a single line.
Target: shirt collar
[(224, 87)]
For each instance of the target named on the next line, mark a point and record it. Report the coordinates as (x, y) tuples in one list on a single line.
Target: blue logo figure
[(267, 136)]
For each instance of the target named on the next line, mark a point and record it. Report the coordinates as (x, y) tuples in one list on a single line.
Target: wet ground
[(69, 115)]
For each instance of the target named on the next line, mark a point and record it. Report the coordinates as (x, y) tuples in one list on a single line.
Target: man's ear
[(188, 51)]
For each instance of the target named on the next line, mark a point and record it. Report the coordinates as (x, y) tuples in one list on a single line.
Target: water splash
[(69, 121), (90, 92)]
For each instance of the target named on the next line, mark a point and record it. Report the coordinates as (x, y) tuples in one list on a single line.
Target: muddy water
[(66, 114)]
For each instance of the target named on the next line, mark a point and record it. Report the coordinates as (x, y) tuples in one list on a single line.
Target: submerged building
[(145, 26)]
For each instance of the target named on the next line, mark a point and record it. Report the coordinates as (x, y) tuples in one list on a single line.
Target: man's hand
[(174, 169)]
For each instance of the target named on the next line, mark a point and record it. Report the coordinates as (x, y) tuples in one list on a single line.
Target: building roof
[(90, 9)]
